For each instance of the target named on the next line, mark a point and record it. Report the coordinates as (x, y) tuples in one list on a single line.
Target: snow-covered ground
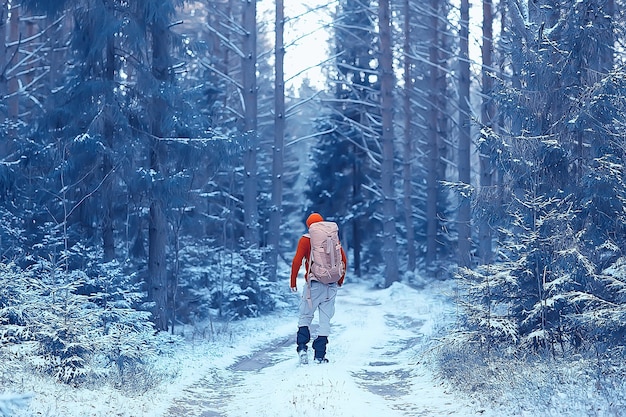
[(381, 365), (375, 348), (376, 367)]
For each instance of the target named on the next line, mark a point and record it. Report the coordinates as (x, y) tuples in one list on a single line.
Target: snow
[(374, 363), (250, 368), (375, 348), (381, 365)]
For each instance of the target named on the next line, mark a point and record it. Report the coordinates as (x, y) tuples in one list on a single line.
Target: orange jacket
[(303, 252)]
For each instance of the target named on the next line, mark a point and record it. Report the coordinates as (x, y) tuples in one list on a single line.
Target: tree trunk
[(157, 262), (107, 163), (279, 137), (486, 116), (432, 148), (517, 27), (4, 142), (408, 142), (13, 101), (390, 252), (4, 88), (157, 230), (250, 98), (463, 219)]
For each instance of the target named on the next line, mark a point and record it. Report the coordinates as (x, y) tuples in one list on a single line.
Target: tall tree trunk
[(463, 219), (517, 30), (13, 102), (279, 137), (408, 142), (4, 88), (107, 163), (157, 260), (250, 97), (157, 231), (486, 116), (5, 148), (432, 147), (390, 252)]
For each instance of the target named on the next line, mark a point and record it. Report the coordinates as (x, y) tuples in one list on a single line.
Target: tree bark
[(108, 241), (279, 137), (250, 98), (157, 262), (432, 148), (408, 142), (4, 88), (486, 116), (463, 219), (390, 252), (157, 232), (13, 101)]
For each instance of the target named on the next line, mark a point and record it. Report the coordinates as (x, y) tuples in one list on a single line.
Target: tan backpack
[(325, 263)]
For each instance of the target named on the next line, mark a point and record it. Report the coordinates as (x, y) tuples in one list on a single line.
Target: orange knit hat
[(314, 218)]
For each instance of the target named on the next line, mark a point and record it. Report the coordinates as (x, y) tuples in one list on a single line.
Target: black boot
[(319, 345), (302, 338)]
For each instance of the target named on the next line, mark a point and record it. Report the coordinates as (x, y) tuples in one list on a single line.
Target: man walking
[(325, 271)]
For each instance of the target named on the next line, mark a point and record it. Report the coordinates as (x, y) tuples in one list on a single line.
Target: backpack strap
[(330, 249), (308, 274)]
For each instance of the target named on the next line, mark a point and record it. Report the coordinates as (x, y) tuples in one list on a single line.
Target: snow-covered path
[(375, 349)]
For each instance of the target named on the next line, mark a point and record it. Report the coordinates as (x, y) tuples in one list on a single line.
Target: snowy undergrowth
[(387, 359), (181, 360), (535, 385)]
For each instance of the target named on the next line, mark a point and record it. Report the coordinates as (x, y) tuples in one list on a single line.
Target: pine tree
[(344, 186), (562, 168), (386, 74)]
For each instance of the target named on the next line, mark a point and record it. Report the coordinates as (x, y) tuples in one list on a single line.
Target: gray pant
[(322, 299)]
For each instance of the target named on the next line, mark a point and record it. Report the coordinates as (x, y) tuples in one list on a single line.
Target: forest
[(156, 169)]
